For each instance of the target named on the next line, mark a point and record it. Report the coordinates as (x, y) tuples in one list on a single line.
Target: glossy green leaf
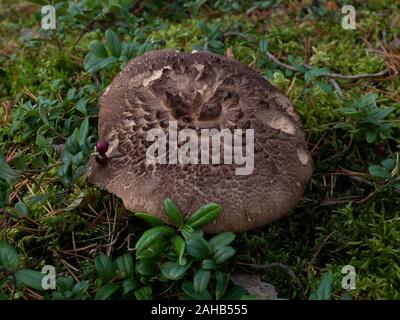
[(8, 256), (188, 288), (152, 235), (204, 215), (370, 135), (388, 164), (146, 268), (179, 245), (221, 285), (152, 220), (125, 265), (30, 278), (208, 264), (173, 213), (324, 291), (173, 270), (189, 233), (223, 254), (98, 49), (201, 280), (128, 285), (104, 268), (263, 46), (83, 131), (379, 171), (198, 248), (113, 43), (144, 293), (22, 209), (43, 114), (6, 172), (234, 293), (105, 292), (221, 240), (153, 252)]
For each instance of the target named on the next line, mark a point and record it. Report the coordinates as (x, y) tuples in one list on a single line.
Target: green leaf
[(189, 233), (388, 164), (152, 235), (81, 105), (83, 131), (223, 254), (379, 171), (98, 49), (129, 285), (65, 283), (6, 172), (201, 280), (105, 292), (78, 159), (204, 215), (22, 209), (343, 125), (125, 265), (377, 115), (234, 293), (263, 46), (370, 135), (221, 285), (129, 50), (314, 73), (179, 245), (144, 293), (71, 94), (43, 114), (113, 43), (173, 212), (208, 264), (325, 87), (324, 291), (93, 64), (8, 256), (107, 62), (104, 268), (188, 288), (198, 248), (152, 220), (173, 270), (154, 252), (30, 278), (146, 268), (41, 141), (80, 287), (221, 240)]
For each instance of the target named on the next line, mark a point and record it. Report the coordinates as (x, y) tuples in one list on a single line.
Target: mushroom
[(201, 90)]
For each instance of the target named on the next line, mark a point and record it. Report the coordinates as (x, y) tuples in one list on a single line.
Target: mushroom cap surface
[(201, 90)]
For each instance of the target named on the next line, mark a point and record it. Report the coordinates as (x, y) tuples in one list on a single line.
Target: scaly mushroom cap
[(201, 90)]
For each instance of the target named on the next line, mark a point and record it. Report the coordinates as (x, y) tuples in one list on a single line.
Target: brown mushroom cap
[(201, 90)]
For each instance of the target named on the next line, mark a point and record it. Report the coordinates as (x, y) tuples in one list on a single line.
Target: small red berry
[(381, 150), (102, 147)]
